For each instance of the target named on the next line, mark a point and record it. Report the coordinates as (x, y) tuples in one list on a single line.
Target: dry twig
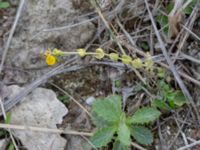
[(190, 145)]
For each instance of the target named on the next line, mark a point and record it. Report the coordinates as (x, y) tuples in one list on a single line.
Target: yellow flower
[(99, 53), (137, 63), (114, 56), (81, 52), (57, 52), (126, 59), (50, 60)]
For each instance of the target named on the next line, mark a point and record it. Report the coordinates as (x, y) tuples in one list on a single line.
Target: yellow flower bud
[(57, 52), (137, 63), (81, 52), (99, 53), (148, 62), (47, 52), (126, 59), (50, 60), (114, 56), (169, 79), (161, 72)]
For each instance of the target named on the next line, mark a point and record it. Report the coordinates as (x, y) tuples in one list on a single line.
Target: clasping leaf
[(108, 109), (144, 115)]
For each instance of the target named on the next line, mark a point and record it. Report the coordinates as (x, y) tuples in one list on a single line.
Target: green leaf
[(145, 115), (170, 95), (3, 133), (119, 146), (169, 7), (109, 109), (99, 121), (142, 135), (124, 134), (11, 147), (65, 99), (160, 104), (145, 46), (4, 5), (103, 136), (163, 85), (8, 118), (161, 72), (171, 104), (117, 83), (188, 10), (179, 99), (163, 20)]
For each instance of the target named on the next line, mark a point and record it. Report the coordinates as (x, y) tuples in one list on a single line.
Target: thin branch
[(190, 145), (188, 57), (137, 146), (192, 33)]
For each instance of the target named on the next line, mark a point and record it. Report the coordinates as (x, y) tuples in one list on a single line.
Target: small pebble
[(90, 100)]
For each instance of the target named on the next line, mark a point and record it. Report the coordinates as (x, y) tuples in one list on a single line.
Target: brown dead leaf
[(175, 17), (175, 24)]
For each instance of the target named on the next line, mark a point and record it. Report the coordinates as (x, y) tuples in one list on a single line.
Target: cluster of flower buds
[(51, 57)]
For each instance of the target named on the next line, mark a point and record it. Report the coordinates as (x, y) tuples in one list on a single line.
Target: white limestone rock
[(41, 108)]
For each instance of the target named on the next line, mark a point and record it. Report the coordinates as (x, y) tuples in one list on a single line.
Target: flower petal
[(50, 60)]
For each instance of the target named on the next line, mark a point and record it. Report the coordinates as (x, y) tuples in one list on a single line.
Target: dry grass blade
[(171, 65), (93, 2), (64, 27), (40, 129)]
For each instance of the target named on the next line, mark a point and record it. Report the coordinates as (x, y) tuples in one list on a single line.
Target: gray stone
[(90, 100), (29, 42), (41, 108)]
